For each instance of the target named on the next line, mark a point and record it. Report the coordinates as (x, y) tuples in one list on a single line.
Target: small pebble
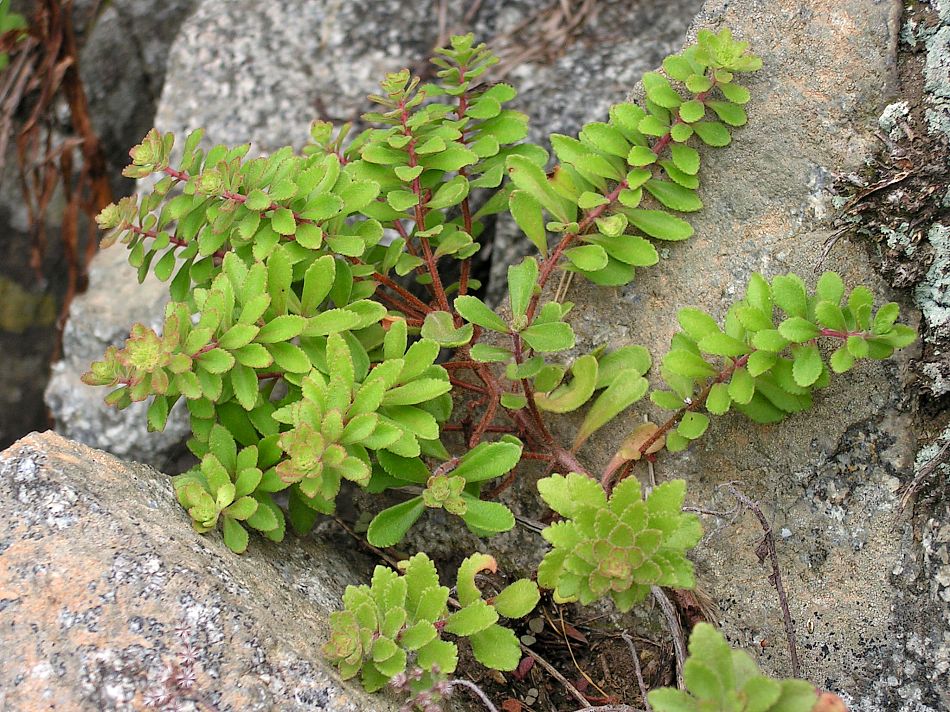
[(528, 639), (536, 625)]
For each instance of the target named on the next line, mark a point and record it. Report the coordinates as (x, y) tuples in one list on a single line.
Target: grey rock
[(101, 317), (122, 63), (105, 591), (867, 600)]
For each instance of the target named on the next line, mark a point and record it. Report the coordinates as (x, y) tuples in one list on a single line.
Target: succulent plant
[(719, 679), (615, 547), (398, 620)]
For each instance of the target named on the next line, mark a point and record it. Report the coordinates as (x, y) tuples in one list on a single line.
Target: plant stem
[(768, 545)]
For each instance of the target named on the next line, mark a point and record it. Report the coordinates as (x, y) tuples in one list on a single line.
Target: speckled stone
[(101, 317), (107, 598)]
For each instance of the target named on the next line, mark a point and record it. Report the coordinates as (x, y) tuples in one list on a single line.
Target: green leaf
[(712, 133), (235, 536), (450, 193), (674, 196), (490, 354), (693, 425), (216, 361), (797, 695), (522, 279), (549, 338), (841, 360), (587, 258), (488, 460), (885, 318), (692, 111), (718, 400), (471, 619), (830, 316), (528, 215), (687, 363), (742, 386), (440, 328), (418, 391), (729, 113), (282, 220), (685, 158), (518, 599), (641, 156), (723, 345), (486, 517), (477, 312), (769, 340), (402, 200), (528, 177), (244, 383), (788, 291), (627, 388), (281, 328), (496, 648), (808, 366), (390, 526), (830, 288), (669, 699), (759, 362), (696, 323), (573, 395), (438, 653), (606, 138), (798, 330), (660, 224)]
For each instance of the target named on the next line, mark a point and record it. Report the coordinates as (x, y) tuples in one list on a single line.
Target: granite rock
[(101, 317), (109, 601)]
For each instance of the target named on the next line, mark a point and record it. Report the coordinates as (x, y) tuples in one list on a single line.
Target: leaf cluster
[(617, 546), (725, 680), (400, 618), (765, 360)]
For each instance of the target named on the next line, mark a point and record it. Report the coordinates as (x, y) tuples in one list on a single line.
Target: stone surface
[(123, 62), (867, 599), (105, 591), (101, 317)]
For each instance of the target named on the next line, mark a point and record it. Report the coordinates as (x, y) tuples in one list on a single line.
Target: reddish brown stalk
[(408, 296), (472, 365), (548, 265), (458, 428), (468, 386), (466, 208)]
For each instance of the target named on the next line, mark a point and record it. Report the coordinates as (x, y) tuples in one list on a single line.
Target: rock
[(105, 591), (122, 62), (868, 602), (101, 317)]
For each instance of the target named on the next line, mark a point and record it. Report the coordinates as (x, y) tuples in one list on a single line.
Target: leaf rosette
[(615, 547)]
